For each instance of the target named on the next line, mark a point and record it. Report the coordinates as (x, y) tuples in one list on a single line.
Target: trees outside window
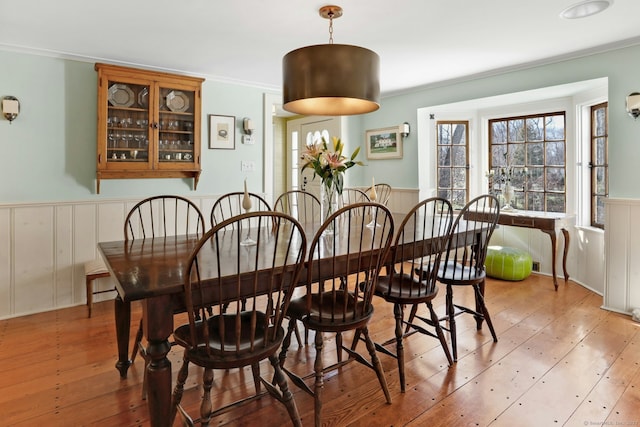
[(453, 161), (599, 162), (534, 148)]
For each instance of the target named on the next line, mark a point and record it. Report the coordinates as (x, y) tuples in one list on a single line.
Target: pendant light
[(331, 79)]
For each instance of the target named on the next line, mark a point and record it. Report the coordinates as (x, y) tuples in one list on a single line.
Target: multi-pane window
[(598, 164), (453, 161), (530, 152)]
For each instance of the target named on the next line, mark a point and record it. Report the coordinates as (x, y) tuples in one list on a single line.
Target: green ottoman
[(508, 263)]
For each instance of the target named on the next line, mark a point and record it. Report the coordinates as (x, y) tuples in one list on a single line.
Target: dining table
[(151, 270)]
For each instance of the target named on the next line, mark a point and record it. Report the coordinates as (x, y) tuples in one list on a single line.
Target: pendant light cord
[(330, 27)]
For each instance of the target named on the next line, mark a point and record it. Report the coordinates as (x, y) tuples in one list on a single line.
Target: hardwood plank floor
[(560, 360)]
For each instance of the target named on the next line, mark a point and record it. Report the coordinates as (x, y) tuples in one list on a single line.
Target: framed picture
[(384, 143), (222, 132)]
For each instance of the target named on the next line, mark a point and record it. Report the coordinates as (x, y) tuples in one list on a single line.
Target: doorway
[(280, 130), (300, 133)]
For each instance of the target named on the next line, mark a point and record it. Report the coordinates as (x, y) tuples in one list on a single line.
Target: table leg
[(565, 233), (122, 311), (552, 234), (158, 326)]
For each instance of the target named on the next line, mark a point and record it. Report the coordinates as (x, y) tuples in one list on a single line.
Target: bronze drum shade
[(331, 80)]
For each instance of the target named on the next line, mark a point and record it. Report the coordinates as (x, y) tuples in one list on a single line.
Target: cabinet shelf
[(154, 142), (176, 113), (132, 109)]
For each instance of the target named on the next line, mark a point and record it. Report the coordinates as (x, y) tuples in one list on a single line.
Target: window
[(599, 162), (453, 161), (532, 148)]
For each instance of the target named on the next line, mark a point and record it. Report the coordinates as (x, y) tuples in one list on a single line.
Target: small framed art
[(222, 132), (384, 143)]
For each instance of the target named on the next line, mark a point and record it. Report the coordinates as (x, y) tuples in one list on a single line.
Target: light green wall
[(221, 168), (624, 132), (48, 153)]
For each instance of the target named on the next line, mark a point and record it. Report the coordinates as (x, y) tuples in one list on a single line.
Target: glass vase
[(328, 203), (508, 197)]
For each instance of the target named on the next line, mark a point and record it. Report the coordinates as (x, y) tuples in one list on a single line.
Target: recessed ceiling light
[(585, 8)]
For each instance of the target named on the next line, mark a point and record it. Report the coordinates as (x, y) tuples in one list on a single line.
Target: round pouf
[(508, 263)]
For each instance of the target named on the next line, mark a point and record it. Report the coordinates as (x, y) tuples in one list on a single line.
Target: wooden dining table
[(151, 271)]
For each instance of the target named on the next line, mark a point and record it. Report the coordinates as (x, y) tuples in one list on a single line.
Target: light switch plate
[(247, 166), (248, 139)]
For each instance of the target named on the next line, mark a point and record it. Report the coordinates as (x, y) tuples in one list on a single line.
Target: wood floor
[(560, 360)]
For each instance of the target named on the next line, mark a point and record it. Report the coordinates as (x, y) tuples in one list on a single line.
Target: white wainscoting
[(401, 200), (538, 244), (585, 261), (622, 255), (44, 247)]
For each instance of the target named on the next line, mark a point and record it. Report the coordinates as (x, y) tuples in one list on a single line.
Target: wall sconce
[(248, 127), (633, 104), (405, 129), (10, 108)]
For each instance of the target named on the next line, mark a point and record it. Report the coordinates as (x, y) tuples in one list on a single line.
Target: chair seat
[(327, 316), (95, 267), (454, 273), (212, 356), (405, 289), (93, 270)]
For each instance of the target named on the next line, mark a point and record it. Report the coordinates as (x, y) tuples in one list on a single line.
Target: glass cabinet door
[(128, 124), (176, 119), (148, 124)]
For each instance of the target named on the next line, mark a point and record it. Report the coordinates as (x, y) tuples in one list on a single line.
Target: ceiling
[(420, 42)]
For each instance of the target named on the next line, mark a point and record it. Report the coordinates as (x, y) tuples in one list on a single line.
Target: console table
[(547, 222)]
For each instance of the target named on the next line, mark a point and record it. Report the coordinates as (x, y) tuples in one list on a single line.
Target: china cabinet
[(148, 124)]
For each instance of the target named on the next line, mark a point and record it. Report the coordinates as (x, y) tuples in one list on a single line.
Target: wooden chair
[(306, 208), (263, 276), (334, 306), (383, 193), (160, 216), (463, 262), (93, 270), (303, 206), (414, 282), (350, 196), (230, 204), (164, 215)]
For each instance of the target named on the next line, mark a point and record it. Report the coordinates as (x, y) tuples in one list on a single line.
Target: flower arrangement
[(504, 175), (329, 165)]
